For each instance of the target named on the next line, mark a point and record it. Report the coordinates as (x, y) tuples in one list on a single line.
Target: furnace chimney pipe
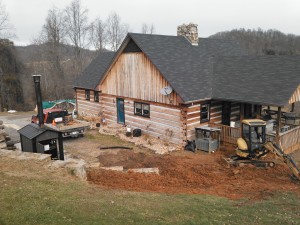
[(39, 102)]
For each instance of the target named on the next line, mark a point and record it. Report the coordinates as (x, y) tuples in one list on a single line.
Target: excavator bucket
[(277, 150)]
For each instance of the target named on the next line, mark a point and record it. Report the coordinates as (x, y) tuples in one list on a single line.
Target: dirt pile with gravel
[(186, 172)]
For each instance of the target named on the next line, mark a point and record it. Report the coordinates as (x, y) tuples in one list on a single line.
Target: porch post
[(60, 147), (278, 128), (242, 112)]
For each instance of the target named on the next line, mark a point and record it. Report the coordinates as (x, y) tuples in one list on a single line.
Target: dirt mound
[(191, 173)]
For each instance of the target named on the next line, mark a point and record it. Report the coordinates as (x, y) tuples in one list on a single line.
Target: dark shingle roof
[(91, 76), (256, 79), (215, 68), (186, 67), (31, 130)]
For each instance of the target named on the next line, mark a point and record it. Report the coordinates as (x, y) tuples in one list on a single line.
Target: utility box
[(41, 140), (207, 138), (207, 144)]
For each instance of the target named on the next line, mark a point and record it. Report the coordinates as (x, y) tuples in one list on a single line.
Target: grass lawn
[(31, 193), (46, 200)]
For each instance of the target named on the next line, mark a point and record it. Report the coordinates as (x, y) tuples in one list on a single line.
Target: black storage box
[(136, 132)]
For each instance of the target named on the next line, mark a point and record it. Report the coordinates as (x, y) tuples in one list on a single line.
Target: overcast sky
[(212, 16)]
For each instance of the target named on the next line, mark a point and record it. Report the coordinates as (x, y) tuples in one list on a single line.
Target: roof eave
[(252, 102)]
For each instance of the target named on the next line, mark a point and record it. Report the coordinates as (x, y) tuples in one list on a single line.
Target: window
[(96, 96), (87, 95), (142, 109), (204, 113)]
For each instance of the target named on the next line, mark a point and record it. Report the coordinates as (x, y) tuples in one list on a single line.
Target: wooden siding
[(165, 122), (134, 76), (85, 107), (296, 96)]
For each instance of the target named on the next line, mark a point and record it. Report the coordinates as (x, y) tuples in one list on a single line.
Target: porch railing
[(290, 140), (229, 135)]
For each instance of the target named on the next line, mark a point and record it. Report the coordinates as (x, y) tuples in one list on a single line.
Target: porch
[(288, 139)]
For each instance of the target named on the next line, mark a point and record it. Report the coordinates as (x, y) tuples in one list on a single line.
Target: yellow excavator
[(253, 146)]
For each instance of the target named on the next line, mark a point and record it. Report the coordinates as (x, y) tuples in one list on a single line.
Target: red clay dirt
[(186, 172)]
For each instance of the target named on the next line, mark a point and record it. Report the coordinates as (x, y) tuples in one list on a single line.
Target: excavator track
[(240, 162)]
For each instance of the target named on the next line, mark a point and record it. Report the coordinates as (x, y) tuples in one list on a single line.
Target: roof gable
[(186, 67), (131, 47)]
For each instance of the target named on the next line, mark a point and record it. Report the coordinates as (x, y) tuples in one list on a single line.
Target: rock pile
[(5, 140)]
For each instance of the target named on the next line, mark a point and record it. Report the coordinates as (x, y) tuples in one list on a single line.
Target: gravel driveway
[(15, 121)]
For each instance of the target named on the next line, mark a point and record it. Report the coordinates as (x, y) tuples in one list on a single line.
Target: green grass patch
[(106, 139), (44, 201)]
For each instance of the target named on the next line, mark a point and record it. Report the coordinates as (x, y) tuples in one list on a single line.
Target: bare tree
[(50, 63), (53, 30), (148, 29), (98, 34), (5, 27), (77, 29), (116, 30)]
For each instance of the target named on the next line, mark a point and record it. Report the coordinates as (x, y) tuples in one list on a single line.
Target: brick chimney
[(189, 31)]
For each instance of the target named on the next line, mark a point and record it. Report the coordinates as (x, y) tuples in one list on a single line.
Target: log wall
[(193, 116), (165, 122), (134, 76), (85, 107), (235, 111)]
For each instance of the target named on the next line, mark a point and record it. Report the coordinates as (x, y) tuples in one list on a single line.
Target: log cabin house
[(208, 82)]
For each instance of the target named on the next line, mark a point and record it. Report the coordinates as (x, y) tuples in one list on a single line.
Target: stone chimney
[(189, 31)]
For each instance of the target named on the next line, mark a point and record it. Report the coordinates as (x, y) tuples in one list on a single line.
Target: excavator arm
[(287, 159)]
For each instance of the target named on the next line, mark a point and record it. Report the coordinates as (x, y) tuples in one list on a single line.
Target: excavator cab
[(253, 138)]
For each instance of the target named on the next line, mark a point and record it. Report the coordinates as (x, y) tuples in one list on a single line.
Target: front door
[(120, 111), (226, 113)]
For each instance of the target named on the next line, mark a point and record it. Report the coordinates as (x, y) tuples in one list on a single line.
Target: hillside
[(58, 69), (36, 53), (270, 42)]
